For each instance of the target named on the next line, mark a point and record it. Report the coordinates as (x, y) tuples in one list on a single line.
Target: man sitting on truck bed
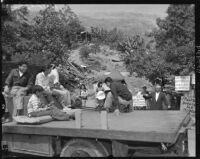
[(119, 95), (18, 82), (44, 80)]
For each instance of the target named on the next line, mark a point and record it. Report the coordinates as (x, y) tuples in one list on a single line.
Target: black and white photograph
[(98, 80)]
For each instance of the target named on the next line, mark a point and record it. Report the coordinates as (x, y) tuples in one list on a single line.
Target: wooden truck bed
[(148, 126)]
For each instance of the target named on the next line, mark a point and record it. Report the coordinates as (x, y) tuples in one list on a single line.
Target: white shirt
[(42, 81), (54, 76), (84, 93), (157, 94), (34, 104), (20, 74)]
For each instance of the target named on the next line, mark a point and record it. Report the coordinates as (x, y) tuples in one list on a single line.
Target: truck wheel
[(84, 148)]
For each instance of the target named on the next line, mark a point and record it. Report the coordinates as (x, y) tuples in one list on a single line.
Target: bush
[(85, 51), (103, 67), (95, 48), (39, 59)]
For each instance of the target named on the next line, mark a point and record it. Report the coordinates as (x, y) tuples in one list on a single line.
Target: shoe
[(5, 116), (7, 119), (72, 117)]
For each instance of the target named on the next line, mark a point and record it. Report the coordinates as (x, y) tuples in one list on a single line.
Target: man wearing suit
[(158, 99)]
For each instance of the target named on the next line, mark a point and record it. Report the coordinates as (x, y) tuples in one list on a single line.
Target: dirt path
[(75, 57), (105, 57)]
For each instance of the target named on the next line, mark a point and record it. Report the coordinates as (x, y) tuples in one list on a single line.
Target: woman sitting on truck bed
[(36, 108)]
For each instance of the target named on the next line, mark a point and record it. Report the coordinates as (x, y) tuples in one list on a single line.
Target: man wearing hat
[(119, 94), (158, 99)]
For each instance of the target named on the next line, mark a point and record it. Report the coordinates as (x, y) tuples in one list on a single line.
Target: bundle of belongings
[(40, 117), (35, 120)]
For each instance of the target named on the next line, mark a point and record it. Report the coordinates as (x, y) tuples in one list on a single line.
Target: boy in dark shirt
[(18, 82), (119, 95), (145, 94)]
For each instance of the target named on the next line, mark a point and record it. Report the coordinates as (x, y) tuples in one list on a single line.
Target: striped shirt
[(34, 104)]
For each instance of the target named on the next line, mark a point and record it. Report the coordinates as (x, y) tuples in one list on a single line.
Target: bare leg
[(109, 100)]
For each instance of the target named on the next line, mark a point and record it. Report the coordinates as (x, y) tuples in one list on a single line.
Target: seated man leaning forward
[(36, 108), (58, 90), (18, 82), (43, 80), (119, 95)]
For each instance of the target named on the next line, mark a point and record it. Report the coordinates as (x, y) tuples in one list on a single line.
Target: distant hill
[(128, 22)]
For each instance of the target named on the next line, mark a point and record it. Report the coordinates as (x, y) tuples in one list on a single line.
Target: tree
[(46, 38), (175, 38), (54, 30), (109, 37), (14, 29), (174, 47), (133, 53)]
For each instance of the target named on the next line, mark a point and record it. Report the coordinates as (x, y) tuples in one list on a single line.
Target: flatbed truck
[(138, 133)]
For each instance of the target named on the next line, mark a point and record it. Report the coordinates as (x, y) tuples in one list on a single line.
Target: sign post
[(182, 83), (138, 101), (188, 103)]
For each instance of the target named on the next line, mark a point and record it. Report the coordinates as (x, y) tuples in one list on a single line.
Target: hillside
[(105, 61), (129, 23)]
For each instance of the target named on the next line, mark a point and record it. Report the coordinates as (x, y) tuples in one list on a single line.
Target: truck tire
[(84, 148)]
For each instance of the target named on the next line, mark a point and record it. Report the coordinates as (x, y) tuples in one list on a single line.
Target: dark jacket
[(160, 104), (14, 79), (119, 89), (145, 97)]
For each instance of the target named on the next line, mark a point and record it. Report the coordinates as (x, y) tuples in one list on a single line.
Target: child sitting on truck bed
[(36, 108)]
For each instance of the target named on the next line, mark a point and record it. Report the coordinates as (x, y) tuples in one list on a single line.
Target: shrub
[(85, 51), (103, 67)]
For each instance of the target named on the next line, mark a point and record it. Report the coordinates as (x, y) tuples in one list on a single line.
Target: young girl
[(36, 108), (100, 95), (83, 95), (99, 87)]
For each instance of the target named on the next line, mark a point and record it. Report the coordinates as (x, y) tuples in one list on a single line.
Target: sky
[(156, 9)]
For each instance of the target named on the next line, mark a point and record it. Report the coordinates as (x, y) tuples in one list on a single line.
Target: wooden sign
[(188, 103), (138, 101), (182, 83)]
